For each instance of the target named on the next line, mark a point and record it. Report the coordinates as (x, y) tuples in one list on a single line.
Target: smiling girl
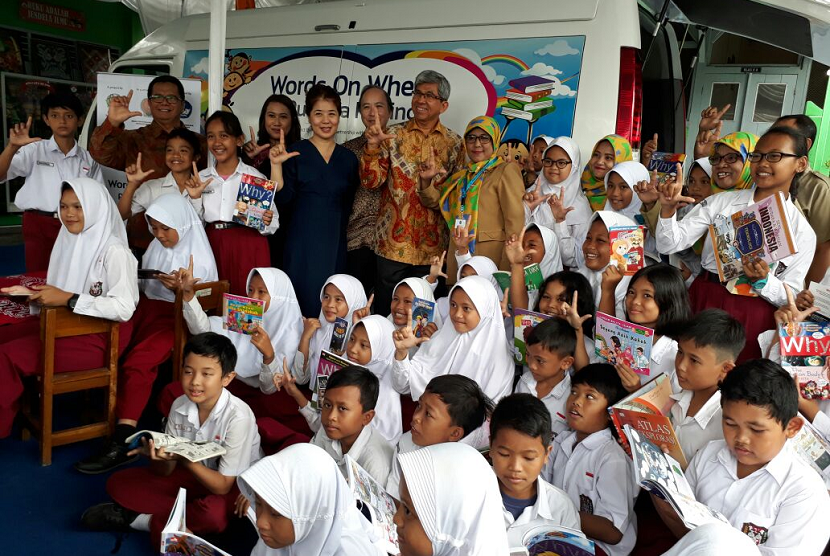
[(609, 151)]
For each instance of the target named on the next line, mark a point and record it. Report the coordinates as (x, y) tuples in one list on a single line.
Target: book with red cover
[(805, 352), (627, 251)]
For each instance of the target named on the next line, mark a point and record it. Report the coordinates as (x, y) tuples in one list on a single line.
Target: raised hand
[(436, 268), (363, 312), (19, 134), (430, 169), (706, 139), (136, 173), (649, 149), (405, 338), (262, 341), (194, 184), (514, 249), (187, 282), (310, 326), (790, 312), (279, 154), (630, 380), (611, 276), (572, 315), (375, 135), (535, 198), (119, 110), (671, 194), (557, 206), (647, 190), (251, 148), (710, 117), (461, 238)]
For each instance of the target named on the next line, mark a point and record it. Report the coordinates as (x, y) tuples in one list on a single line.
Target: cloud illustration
[(557, 48)]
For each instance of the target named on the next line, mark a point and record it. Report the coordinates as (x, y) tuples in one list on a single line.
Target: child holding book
[(520, 446), (535, 245), (404, 295), (143, 496), (707, 346), (765, 282), (753, 477), (608, 152), (590, 465), (450, 503)]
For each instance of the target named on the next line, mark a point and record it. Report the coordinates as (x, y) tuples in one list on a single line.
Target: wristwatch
[(73, 301)]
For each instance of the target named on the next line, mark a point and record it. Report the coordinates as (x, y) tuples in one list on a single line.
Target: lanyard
[(468, 183)]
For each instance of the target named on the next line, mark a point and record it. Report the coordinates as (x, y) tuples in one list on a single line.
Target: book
[(533, 278), (192, 450), (423, 313), (813, 448), (529, 106), (619, 341), (175, 539), (647, 412), (627, 251), (532, 84), (328, 364), (529, 115), (241, 314), (372, 499), (338, 336), (515, 94), (547, 540), (523, 323), (762, 230), (805, 347), (821, 299), (255, 196), (660, 474), (665, 164)]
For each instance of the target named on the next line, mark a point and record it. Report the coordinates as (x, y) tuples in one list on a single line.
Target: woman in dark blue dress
[(320, 179)]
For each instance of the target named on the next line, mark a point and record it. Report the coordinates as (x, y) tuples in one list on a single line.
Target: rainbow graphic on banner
[(454, 58)]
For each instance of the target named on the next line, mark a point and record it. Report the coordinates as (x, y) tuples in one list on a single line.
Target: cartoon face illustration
[(636, 241), (514, 150), (232, 81), (239, 62)]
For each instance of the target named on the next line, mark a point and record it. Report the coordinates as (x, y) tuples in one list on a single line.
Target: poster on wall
[(11, 50), (54, 58), (530, 85)]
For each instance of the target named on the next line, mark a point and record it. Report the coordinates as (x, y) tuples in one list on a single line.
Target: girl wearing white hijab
[(91, 271), (301, 505), (468, 266), (450, 503), (404, 295), (621, 198), (474, 345), (545, 253), (571, 228)]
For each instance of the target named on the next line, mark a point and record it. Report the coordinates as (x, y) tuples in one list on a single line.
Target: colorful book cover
[(372, 499), (619, 341), (532, 84), (665, 164), (761, 230), (338, 336), (328, 364), (523, 323), (241, 314), (533, 278), (805, 352), (502, 278), (529, 115), (813, 448), (547, 540), (256, 195), (515, 94), (627, 251), (423, 313), (177, 539)]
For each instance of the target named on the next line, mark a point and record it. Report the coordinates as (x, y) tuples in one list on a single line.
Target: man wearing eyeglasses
[(409, 234)]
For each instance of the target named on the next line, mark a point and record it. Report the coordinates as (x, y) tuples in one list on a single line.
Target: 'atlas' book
[(805, 352), (665, 164), (423, 313), (256, 195), (241, 314), (532, 84), (523, 323), (329, 363), (627, 251), (619, 341)]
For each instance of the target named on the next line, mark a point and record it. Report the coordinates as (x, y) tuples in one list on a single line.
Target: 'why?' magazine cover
[(805, 347), (241, 314), (256, 195), (619, 341)]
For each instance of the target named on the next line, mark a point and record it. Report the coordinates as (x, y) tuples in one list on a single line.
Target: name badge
[(208, 191), (460, 222), (45, 163)]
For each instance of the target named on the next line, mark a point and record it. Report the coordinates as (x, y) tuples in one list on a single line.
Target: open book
[(813, 448), (175, 539), (547, 539), (660, 474), (188, 449), (372, 499)]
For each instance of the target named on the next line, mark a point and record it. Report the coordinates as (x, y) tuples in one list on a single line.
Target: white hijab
[(574, 197), (283, 322), (420, 288), (355, 295), (303, 483), (175, 212), (456, 496), (77, 261), (551, 263), (481, 354), (632, 173), (388, 409), (610, 219)]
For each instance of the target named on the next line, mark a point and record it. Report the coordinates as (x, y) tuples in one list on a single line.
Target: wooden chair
[(60, 322), (209, 295)]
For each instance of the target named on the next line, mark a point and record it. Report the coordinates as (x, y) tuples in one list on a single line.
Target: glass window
[(769, 102), (723, 94)]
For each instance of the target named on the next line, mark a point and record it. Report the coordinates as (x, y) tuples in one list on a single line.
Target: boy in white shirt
[(46, 164), (143, 497), (753, 476), (591, 467), (707, 347), (519, 448)]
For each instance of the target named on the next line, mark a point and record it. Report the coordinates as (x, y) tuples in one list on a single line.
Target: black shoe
[(108, 516), (112, 455)]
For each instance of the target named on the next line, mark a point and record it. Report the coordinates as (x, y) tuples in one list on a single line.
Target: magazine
[(329, 363), (256, 195), (373, 499), (804, 353), (813, 448), (338, 336), (619, 341), (627, 251), (761, 230), (241, 314), (423, 313), (665, 164), (661, 475), (544, 540), (647, 411), (533, 278), (175, 539), (821, 299), (189, 449), (523, 323)]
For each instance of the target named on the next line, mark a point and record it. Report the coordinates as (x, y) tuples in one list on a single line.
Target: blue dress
[(316, 201)]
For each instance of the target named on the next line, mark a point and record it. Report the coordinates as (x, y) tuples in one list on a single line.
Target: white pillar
[(216, 54)]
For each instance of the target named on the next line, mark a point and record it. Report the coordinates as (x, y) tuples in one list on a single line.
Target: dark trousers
[(389, 274), (362, 264)]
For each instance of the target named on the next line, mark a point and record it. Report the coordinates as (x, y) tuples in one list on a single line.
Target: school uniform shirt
[(45, 168), (596, 473), (694, 433), (151, 190), (231, 423), (387, 418), (555, 400), (96, 263), (218, 200), (553, 507), (371, 451), (673, 236), (663, 355), (780, 506)]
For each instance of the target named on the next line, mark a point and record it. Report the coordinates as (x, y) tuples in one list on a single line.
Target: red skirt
[(237, 250), (39, 235)]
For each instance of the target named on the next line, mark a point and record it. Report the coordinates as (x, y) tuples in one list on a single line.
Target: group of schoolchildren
[(554, 457)]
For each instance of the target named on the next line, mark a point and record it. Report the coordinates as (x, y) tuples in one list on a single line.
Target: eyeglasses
[(772, 158), (429, 96), (561, 163), (484, 140), (170, 99), (730, 158)]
